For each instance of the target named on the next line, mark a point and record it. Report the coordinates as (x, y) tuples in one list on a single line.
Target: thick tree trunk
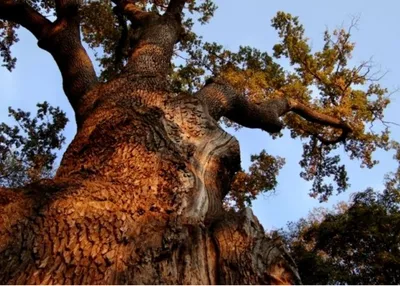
[(138, 196), (138, 200)]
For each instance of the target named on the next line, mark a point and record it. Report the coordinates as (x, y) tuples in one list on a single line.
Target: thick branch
[(315, 116), (23, 14), (222, 100), (77, 71), (67, 8), (153, 49), (62, 40), (123, 41), (154, 39), (132, 12), (320, 118), (176, 6)]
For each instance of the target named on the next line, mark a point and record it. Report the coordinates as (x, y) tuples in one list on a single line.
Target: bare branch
[(387, 123)]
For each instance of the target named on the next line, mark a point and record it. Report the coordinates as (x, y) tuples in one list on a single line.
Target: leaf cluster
[(358, 243), (326, 80), (27, 150), (261, 178)]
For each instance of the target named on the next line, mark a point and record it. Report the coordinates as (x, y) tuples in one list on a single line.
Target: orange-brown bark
[(138, 199), (223, 100), (138, 195), (61, 39)]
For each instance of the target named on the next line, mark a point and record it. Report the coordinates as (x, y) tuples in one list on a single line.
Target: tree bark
[(138, 196), (138, 199)]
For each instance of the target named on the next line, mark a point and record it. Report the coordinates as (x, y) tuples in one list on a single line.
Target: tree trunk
[(138, 195), (138, 200)]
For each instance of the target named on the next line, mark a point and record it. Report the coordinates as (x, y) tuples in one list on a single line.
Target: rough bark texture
[(138, 199), (138, 196)]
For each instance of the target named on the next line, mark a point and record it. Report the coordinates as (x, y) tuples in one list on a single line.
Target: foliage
[(358, 243), (8, 37), (350, 93), (106, 31), (260, 178), (324, 80), (27, 150)]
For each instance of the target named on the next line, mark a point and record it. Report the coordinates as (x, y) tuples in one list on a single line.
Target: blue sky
[(236, 23)]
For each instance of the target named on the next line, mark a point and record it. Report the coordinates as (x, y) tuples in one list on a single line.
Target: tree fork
[(137, 16), (61, 39), (23, 14), (152, 53)]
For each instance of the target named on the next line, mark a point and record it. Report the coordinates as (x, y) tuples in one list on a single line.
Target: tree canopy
[(356, 243), (339, 105), (28, 149), (145, 181)]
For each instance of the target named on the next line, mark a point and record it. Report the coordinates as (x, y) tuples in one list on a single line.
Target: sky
[(37, 79)]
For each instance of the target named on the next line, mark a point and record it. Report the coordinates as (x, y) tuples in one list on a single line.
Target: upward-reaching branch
[(26, 16), (62, 40), (152, 53), (222, 100), (132, 12), (176, 6), (67, 8)]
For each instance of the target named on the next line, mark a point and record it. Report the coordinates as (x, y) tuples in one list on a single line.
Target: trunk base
[(70, 232)]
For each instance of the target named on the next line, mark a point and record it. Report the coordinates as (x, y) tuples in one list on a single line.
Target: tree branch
[(154, 43), (222, 100), (23, 14), (273, 266), (176, 6), (62, 40), (315, 116), (123, 41), (67, 8), (132, 12)]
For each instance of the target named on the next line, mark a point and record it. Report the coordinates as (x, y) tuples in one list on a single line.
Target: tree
[(27, 149), (139, 194), (358, 243)]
